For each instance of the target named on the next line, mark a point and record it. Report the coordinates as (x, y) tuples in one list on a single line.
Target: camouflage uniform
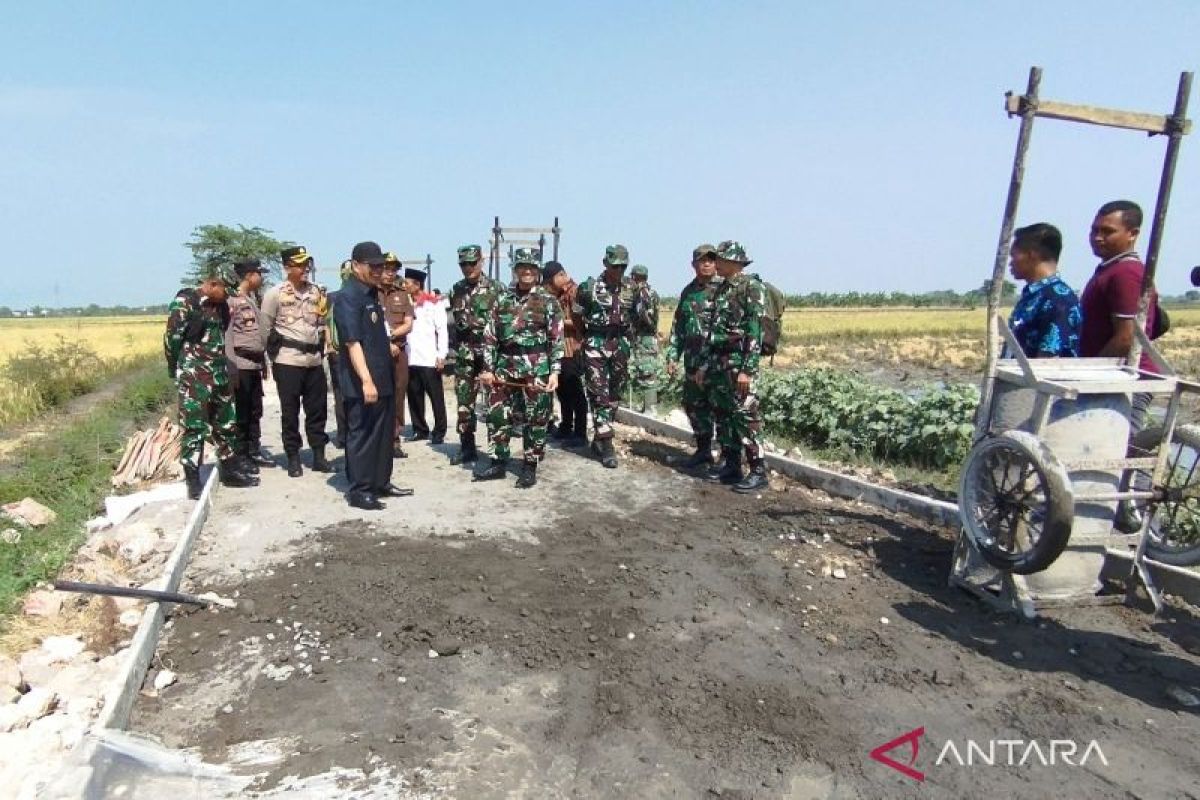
[(194, 344), (522, 343), (611, 315), (689, 335), (644, 359), (735, 345), (471, 305)]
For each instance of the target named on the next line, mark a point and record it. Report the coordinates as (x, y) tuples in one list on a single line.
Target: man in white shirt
[(427, 347)]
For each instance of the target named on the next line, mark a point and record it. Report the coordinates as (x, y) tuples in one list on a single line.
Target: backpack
[(772, 319)]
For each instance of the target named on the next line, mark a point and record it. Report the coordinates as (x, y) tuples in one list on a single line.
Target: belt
[(303, 347), (608, 330), (515, 349), (257, 356)]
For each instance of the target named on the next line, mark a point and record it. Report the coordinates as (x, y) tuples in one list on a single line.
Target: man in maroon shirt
[(1110, 300), (1110, 303)]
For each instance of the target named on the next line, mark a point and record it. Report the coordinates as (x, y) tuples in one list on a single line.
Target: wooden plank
[(1095, 115), (505, 229)]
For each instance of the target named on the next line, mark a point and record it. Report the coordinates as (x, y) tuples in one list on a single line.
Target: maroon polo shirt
[(1114, 290)]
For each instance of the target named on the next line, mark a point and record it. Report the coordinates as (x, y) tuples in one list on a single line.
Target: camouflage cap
[(526, 256), (730, 250), (640, 271), (222, 273), (703, 250), (616, 255), (469, 253)]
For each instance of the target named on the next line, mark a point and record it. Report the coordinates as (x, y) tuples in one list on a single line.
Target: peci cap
[(295, 256), (368, 253), (416, 275), (640, 271), (703, 250), (244, 266), (551, 269), (526, 256), (469, 253), (616, 255), (730, 250)]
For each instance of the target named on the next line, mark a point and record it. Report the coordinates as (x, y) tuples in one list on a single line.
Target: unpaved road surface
[(639, 633)]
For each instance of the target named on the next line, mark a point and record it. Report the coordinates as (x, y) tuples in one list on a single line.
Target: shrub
[(53, 375), (831, 409)]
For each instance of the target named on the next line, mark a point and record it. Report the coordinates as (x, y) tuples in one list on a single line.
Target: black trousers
[(369, 443), (426, 382), (339, 408), (248, 408), (307, 386), (572, 399)]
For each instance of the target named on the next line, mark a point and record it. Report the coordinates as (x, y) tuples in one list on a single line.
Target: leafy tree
[(214, 245)]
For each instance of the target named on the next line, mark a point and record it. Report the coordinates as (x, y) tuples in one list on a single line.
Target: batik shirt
[(1047, 319)]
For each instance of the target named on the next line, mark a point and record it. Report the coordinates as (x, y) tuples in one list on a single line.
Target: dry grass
[(109, 337)]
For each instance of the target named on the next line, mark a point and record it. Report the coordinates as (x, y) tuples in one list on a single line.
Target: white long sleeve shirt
[(428, 341)]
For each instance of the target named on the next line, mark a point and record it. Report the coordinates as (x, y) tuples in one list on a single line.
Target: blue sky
[(849, 145)]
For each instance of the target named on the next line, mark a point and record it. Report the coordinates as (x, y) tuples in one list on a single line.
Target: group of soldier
[(516, 346)]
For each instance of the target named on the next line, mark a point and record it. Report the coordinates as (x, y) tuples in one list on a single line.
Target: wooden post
[(1177, 125), (1028, 110)]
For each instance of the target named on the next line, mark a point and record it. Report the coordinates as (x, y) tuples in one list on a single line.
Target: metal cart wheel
[(1015, 502), (1175, 520)]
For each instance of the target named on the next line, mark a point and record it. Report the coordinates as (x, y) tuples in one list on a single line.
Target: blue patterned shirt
[(1046, 319)]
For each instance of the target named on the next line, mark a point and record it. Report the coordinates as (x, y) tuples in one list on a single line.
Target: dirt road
[(641, 634)]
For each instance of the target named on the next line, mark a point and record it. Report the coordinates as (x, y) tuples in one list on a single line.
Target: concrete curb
[(826, 480), (85, 777), (1177, 581)]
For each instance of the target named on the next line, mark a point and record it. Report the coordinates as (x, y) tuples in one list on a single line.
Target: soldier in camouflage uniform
[(732, 357), (194, 344), (643, 364), (471, 302), (521, 360), (689, 334), (612, 307)]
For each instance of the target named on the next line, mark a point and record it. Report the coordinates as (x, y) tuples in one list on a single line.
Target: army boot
[(319, 462), (294, 468), (608, 456), (528, 475), (258, 457), (703, 455), (245, 463), (756, 481), (494, 471), (467, 453), (731, 472), (232, 475), (191, 476)]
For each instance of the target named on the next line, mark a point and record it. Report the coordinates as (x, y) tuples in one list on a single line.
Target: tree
[(215, 245)]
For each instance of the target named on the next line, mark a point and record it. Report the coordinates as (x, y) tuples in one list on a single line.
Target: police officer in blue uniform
[(366, 378)]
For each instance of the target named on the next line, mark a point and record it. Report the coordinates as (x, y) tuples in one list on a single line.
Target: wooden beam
[(506, 229), (1094, 115)]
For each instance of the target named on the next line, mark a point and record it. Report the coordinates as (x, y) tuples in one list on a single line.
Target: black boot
[(232, 475), (603, 448), (756, 481), (258, 457), (467, 453), (731, 472), (191, 476), (319, 462), (528, 475), (494, 471), (294, 468), (246, 464), (703, 456)]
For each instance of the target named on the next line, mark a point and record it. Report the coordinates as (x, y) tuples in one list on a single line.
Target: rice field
[(109, 337), (115, 341)]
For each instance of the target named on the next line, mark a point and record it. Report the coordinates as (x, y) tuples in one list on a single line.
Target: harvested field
[(109, 337)]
